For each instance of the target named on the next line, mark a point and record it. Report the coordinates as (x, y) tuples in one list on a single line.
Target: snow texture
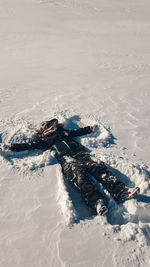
[(84, 63)]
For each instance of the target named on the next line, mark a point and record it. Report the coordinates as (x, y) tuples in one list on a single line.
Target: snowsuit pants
[(78, 168)]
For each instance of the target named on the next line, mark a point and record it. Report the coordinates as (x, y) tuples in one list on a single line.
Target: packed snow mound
[(64, 200), (20, 131)]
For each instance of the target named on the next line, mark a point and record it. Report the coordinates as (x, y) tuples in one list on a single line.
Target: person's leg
[(76, 173), (102, 174)]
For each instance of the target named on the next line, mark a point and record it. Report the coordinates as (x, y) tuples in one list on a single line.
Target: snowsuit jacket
[(61, 141), (77, 172)]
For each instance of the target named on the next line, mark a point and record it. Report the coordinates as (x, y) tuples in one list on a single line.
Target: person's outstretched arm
[(38, 144), (81, 131)]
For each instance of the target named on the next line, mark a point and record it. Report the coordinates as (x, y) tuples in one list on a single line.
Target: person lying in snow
[(77, 164)]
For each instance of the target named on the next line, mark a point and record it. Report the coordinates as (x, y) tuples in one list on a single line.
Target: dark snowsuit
[(77, 164)]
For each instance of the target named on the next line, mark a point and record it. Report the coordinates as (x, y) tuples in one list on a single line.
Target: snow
[(86, 63)]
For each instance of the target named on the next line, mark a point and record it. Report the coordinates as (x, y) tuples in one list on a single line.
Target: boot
[(101, 207), (127, 193)]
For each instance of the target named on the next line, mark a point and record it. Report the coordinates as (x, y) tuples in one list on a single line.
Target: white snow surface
[(85, 63)]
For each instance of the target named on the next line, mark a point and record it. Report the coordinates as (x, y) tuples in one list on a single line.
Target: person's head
[(48, 127)]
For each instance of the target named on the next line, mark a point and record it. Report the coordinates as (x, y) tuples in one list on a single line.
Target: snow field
[(84, 62)]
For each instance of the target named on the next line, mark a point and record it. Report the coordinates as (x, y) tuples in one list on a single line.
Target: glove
[(4, 147), (94, 128)]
